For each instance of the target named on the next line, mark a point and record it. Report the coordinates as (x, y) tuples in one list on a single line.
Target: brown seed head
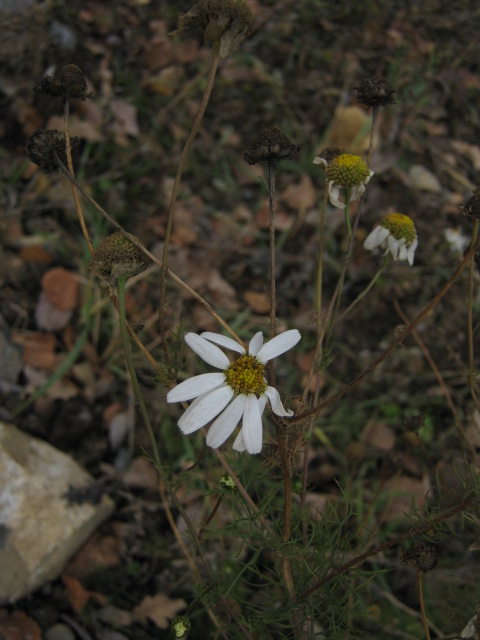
[(226, 22), (421, 556), (375, 92), (271, 145), (117, 256), (67, 82), (471, 208), (42, 147)]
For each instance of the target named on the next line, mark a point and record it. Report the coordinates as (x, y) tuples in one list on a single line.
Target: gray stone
[(39, 529), (59, 631)]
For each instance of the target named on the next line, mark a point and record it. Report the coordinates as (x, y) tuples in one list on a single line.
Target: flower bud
[(180, 627), (117, 256)]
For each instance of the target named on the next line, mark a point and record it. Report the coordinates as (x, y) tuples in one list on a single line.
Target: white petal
[(223, 341), (239, 444), (256, 344), (393, 246), (195, 386), (252, 425), (276, 403), (322, 161), (205, 408), (226, 422), (411, 251), (334, 193), (376, 238), (356, 191), (278, 345), (207, 351)]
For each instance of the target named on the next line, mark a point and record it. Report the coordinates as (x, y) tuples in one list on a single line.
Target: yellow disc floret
[(400, 226), (245, 376), (348, 170)]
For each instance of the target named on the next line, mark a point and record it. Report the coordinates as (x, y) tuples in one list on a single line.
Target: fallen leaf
[(141, 474), (379, 435), (159, 609), (49, 317), (38, 349), (300, 195), (18, 626), (61, 288), (258, 301), (100, 552)]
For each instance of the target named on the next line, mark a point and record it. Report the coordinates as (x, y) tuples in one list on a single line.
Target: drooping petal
[(376, 238), (278, 345), (226, 422), (207, 351), (356, 191), (252, 425), (322, 161), (411, 251), (334, 193), (393, 246), (194, 387), (276, 403), (239, 444), (256, 344), (223, 341), (205, 408)]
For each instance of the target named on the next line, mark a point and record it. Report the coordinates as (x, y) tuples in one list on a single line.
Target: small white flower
[(238, 392), (396, 234), (456, 240), (345, 172)]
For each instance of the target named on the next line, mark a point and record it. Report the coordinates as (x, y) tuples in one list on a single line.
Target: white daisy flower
[(396, 234), (239, 391), (346, 172)]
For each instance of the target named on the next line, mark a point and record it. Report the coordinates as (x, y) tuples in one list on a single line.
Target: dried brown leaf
[(159, 609)]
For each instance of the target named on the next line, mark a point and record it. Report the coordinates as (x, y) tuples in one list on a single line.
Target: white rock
[(39, 529)]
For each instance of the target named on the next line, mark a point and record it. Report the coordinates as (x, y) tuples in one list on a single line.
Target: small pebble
[(59, 631)]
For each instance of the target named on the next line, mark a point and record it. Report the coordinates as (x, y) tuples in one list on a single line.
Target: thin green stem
[(471, 363), (134, 240), (372, 366), (370, 285), (181, 165)]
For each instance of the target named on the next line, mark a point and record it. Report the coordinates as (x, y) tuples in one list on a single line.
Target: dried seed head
[(375, 92), (421, 556), (271, 145), (117, 256), (226, 22), (42, 147), (67, 82), (471, 208), (180, 627)]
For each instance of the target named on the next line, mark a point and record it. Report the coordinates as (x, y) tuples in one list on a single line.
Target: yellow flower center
[(245, 376), (400, 226), (348, 170)]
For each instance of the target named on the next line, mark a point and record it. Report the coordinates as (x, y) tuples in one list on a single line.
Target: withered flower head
[(375, 92), (271, 145), (67, 82), (224, 22), (471, 208), (42, 147), (117, 256), (421, 556)]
